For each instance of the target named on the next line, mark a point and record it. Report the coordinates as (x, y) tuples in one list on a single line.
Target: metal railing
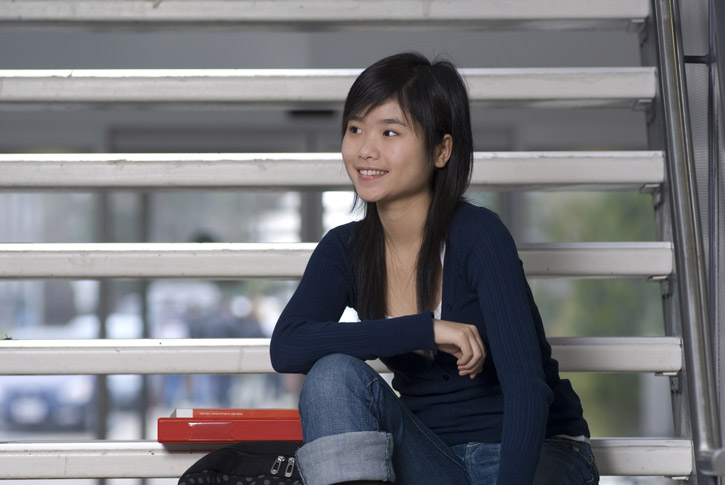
[(690, 274)]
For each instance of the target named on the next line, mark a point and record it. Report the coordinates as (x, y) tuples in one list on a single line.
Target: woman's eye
[(390, 133), (354, 129)]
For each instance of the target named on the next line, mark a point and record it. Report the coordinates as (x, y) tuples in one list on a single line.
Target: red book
[(230, 426), (236, 413)]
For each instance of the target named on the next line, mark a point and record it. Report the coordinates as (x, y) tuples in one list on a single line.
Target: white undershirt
[(437, 311)]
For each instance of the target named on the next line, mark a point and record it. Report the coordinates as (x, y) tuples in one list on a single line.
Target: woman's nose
[(368, 148)]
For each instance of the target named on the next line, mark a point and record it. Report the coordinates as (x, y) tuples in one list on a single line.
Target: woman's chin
[(368, 197)]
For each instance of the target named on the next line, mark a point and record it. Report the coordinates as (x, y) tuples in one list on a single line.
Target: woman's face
[(384, 157)]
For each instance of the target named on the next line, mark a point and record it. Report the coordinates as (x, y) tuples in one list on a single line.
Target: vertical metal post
[(311, 206), (104, 226), (690, 276), (512, 209), (713, 121), (144, 211), (311, 216), (717, 96)]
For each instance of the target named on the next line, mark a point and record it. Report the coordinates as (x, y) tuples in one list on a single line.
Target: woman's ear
[(443, 151)]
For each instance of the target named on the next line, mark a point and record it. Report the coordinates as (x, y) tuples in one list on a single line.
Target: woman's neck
[(404, 220)]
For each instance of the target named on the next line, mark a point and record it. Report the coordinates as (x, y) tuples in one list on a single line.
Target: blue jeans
[(563, 461), (356, 428)]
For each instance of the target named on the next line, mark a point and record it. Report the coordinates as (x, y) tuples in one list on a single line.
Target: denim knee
[(343, 439), (336, 377), (336, 397)]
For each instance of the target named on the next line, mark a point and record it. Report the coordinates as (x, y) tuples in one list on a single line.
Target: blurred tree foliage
[(615, 307)]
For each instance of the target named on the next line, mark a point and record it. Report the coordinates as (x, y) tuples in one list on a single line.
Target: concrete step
[(324, 171), (623, 87), (288, 260), (323, 14), (148, 459), (251, 356)]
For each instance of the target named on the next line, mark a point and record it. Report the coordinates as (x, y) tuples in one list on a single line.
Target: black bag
[(247, 463)]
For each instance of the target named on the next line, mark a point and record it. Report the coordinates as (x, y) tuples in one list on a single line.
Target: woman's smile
[(370, 174)]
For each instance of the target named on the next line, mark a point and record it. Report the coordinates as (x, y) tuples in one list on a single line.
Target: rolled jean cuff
[(358, 455)]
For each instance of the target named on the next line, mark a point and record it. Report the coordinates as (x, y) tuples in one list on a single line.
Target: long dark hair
[(435, 99)]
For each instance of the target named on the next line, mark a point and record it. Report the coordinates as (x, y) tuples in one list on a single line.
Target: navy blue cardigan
[(517, 400)]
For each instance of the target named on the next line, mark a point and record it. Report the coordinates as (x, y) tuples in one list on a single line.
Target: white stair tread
[(327, 14), (492, 170), (148, 459), (288, 260), (251, 356), (536, 87)]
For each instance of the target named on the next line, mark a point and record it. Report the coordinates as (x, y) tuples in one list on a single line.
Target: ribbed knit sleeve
[(494, 269), (308, 328)]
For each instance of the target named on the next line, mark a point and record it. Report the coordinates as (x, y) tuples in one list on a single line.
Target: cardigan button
[(449, 307), (446, 377)]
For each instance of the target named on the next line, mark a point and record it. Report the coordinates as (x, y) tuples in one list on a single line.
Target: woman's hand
[(463, 342)]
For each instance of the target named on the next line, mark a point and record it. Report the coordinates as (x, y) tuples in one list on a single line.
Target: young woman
[(443, 302)]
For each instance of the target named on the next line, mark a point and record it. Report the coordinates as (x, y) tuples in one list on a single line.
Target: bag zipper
[(290, 467), (277, 465)]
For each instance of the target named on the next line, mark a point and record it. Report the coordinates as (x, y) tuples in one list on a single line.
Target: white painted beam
[(325, 14), (135, 356), (251, 356), (535, 87), (148, 459), (597, 260), (154, 260), (492, 170), (642, 457), (618, 354), (287, 261)]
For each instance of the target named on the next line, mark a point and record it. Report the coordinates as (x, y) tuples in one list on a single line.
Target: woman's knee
[(335, 379)]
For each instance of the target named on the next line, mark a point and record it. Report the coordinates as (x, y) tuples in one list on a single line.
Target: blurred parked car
[(47, 403), (52, 402), (68, 402)]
